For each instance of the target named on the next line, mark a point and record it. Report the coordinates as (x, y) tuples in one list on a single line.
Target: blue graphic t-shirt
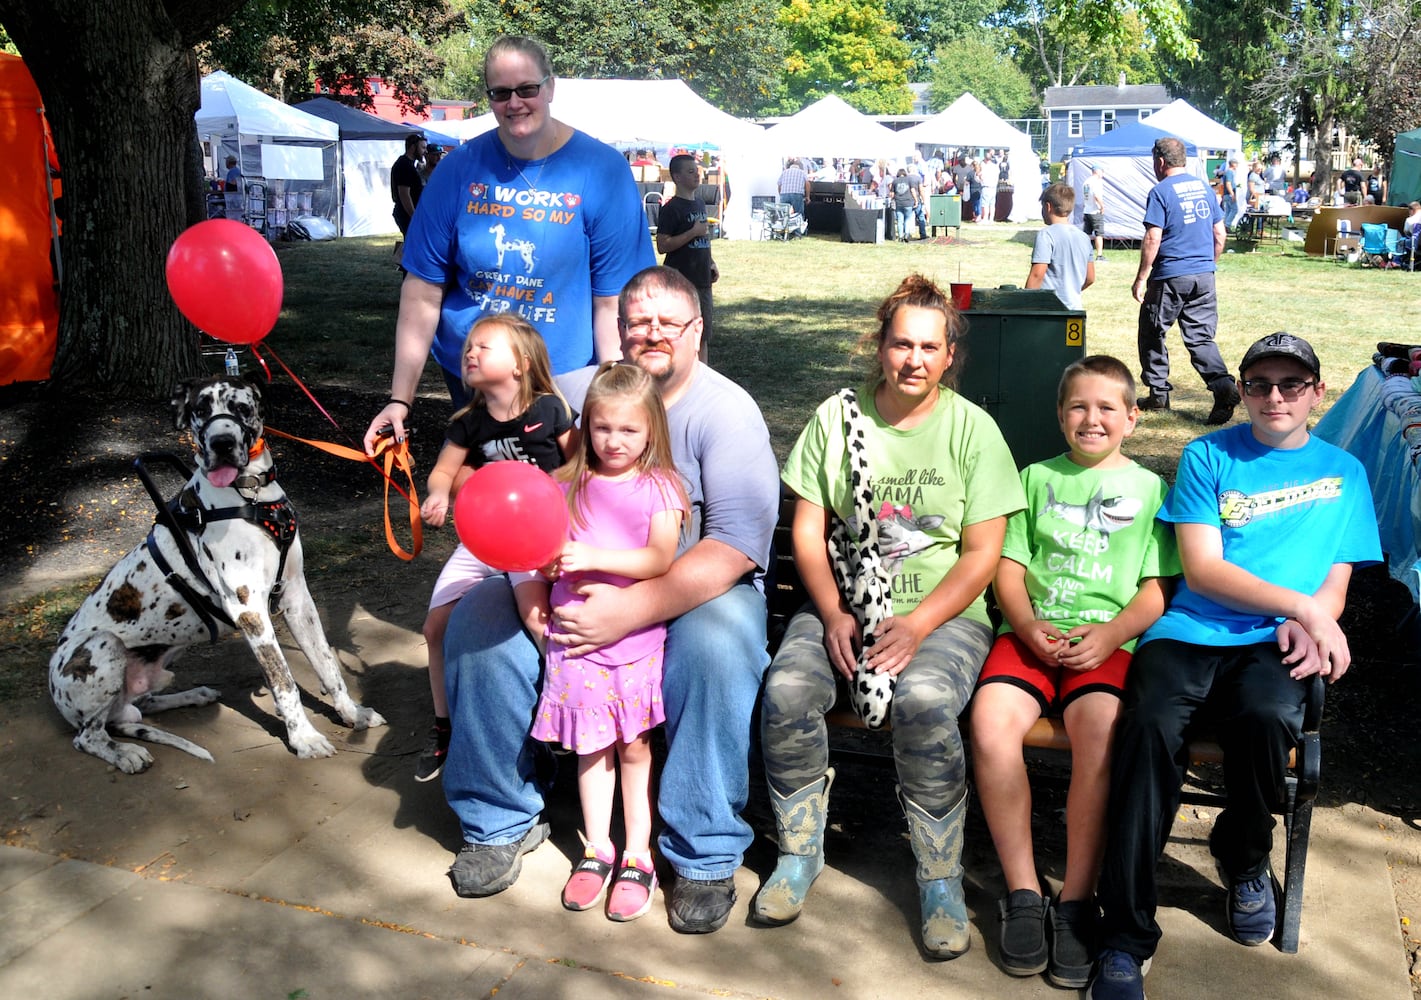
[(540, 238), (1185, 209), (1286, 516)]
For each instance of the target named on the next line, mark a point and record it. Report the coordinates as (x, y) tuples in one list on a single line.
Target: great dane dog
[(242, 563)]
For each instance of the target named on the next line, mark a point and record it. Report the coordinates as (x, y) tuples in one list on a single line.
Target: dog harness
[(184, 516)]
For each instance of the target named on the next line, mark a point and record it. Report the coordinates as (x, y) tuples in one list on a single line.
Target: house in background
[(1076, 115)]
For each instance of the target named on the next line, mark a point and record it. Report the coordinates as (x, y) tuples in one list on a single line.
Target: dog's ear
[(181, 401), (257, 382)]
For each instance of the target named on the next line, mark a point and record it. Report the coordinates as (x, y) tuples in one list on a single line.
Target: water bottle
[(230, 363)]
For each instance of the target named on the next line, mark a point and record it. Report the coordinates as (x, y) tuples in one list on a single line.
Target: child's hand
[(434, 509), (1086, 647), (1044, 641), (576, 557)]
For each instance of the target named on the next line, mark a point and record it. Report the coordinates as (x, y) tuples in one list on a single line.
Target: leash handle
[(394, 456)]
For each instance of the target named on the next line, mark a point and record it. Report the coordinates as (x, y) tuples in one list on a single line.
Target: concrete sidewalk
[(265, 876)]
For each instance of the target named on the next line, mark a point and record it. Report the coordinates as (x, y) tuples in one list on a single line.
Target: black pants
[(1257, 711)]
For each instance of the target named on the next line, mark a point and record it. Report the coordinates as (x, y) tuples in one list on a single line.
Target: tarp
[(830, 128), (967, 123), (1125, 156), (649, 113), (1182, 119), (282, 151), (368, 147), (1405, 184), (29, 294)]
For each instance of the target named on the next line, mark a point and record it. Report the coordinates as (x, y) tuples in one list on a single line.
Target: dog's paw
[(365, 718), (131, 759), (311, 745), (202, 696)]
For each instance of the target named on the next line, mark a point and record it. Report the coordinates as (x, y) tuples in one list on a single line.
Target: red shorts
[(1011, 662)]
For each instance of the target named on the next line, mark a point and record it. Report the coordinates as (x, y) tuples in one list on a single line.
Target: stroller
[(782, 222), (1379, 245)]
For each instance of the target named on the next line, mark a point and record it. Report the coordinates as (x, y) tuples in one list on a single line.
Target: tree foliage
[(1388, 46), (929, 25), (1238, 44), (974, 64), (1060, 43), (285, 47), (848, 48), (728, 51)]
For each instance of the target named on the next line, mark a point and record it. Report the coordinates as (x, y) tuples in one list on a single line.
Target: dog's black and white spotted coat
[(112, 658), (859, 571)]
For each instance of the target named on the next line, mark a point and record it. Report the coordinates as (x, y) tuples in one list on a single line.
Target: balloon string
[(334, 423)]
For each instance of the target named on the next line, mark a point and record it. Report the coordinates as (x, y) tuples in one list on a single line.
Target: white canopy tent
[(1182, 119), (1127, 167), (968, 123), (277, 146), (651, 113), (830, 128)]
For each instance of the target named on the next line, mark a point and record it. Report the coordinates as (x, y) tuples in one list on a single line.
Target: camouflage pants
[(932, 690)]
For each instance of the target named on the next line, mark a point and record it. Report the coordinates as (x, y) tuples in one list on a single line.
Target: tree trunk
[(120, 85)]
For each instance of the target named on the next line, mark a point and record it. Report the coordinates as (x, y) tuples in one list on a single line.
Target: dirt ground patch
[(72, 505)]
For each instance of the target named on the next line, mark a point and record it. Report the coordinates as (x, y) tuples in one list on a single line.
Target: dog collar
[(256, 449)]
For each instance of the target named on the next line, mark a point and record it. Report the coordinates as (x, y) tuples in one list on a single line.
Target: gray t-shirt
[(1065, 251), (722, 450)]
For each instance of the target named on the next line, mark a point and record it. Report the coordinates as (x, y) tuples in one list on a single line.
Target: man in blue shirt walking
[(1184, 236)]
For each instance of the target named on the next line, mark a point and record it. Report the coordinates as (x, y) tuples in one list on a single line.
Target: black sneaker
[(432, 757), (1023, 940), (1154, 401), (700, 907), (1072, 936), (484, 869), (1226, 398)]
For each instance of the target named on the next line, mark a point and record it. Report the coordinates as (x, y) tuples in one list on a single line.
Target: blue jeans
[(900, 222), (795, 200), (715, 659), (1229, 205)]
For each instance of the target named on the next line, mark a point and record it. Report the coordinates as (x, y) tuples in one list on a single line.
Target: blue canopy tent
[(1125, 157), (368, 146)]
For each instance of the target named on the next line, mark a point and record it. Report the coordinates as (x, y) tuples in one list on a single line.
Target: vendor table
[(1378, 420)]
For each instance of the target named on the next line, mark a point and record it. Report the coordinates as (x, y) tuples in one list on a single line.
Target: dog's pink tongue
[(222, 477)]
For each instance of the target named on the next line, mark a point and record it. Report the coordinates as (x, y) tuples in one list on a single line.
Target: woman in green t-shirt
[(919, 484)]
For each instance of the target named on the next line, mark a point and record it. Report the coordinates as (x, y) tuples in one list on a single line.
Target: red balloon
[(512, 516), (225, 278)]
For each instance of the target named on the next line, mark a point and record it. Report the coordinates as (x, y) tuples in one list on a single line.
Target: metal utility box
[(944, 210), (1018, 343)]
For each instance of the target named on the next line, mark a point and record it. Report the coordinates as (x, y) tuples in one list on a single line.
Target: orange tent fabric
[(29, 298)]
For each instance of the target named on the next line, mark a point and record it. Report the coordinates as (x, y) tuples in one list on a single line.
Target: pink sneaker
[(588, 880), (632, 890)]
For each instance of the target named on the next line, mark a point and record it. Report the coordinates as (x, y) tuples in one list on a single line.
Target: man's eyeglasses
[(640, 329), (1291, 388), (501, 95)]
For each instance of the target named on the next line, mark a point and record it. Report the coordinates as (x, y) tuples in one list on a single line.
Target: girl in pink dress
[(626, 504)]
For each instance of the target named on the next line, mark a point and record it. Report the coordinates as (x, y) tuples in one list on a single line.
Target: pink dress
[(613, 693)]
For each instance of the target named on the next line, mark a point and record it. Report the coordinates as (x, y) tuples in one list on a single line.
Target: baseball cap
[(1281, 345)]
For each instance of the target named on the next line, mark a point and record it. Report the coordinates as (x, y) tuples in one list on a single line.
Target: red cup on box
[(961, 295)]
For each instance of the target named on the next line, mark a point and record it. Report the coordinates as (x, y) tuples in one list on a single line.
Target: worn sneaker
[(1072, 943), (1154, 401), (1119, 976), (589, 879), (485, 869), (632, 890), (1226, 399), (700, 907), (431, 758), (1252, 910), (1023, 940)]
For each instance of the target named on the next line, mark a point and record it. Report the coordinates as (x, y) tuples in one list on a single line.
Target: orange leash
[(395, 456)]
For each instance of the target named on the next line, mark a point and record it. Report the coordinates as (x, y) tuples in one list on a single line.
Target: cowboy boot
[(799, 820), (937, 844)]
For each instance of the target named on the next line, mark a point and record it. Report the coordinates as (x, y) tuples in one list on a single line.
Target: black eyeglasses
[(501, 95), (1291, 388)]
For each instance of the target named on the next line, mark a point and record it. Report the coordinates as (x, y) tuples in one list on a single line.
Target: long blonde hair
[(536, 377), (616, 381)]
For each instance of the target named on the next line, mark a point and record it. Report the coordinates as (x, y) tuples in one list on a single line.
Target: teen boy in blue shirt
[(1269, 521)]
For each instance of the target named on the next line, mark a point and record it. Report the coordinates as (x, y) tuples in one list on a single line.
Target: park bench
[(785, 594)]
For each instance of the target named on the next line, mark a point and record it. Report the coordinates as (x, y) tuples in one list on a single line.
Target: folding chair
[(1338, 245), (1377, 247)]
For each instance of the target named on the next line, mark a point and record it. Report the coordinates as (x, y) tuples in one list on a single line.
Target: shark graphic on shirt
[(1099, 513)]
